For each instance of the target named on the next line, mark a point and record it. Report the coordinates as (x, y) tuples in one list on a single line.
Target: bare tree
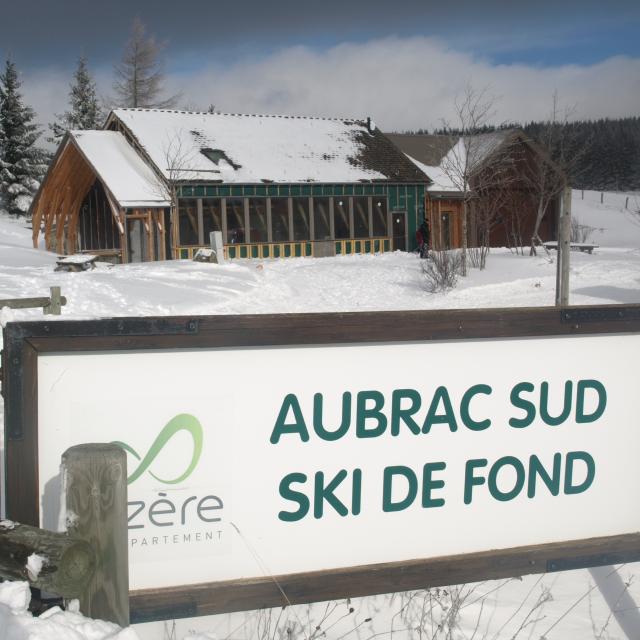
[(548, 171), (475, 164), (140, 75), (178, 158), (487, 212)]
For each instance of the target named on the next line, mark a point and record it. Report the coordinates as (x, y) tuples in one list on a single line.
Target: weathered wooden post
[(55, 305), (48, 560), (215, 239), (95, 484), (564, 247)]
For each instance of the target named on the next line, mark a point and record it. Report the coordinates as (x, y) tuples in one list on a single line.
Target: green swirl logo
[(182, 422)]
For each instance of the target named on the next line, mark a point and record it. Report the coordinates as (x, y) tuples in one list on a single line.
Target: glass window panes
[(211, 217), (188, 222), (280, 219), (321, 219), (361, 217), (258, 220), (301, 221), (379, 217), (235, 221), (341, 217)]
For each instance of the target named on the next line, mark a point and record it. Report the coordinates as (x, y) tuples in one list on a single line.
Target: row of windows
[(255, 220)]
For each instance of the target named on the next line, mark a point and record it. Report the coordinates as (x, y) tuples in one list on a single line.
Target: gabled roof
[(123, 172), (253, 149), (426, 149), (441, 156)]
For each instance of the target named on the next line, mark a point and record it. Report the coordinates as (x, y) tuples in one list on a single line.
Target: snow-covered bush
[(441, 270)]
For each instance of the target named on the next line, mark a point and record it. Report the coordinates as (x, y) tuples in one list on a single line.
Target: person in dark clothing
[(423, 235)]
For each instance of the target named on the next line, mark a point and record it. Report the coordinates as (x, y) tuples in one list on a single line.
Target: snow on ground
[(17, 623), (614, 224), (352, 283)]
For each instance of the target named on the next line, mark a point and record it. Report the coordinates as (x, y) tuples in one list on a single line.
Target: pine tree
[(22, 163), (85, 112), (140, 77)]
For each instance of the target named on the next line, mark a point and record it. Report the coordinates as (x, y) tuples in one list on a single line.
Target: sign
[(339, 446)]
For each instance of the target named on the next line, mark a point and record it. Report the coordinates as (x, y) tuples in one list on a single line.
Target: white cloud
[(411, 83), (403, 83)]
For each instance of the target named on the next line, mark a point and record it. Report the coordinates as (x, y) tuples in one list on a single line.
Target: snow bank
[(17, 623)]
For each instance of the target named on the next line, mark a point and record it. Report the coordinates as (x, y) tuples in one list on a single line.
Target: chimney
[(371, 126)]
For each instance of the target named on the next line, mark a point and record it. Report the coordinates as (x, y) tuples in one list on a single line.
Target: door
[(399, 230), (137, 240), (446, 229)]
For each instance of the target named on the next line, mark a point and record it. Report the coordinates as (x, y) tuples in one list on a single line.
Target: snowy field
[(554, 606)]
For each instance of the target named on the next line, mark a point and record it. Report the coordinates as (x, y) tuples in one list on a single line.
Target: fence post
[(215, 240), (95, 485), (55, 304), (601, 197), (626, 203)]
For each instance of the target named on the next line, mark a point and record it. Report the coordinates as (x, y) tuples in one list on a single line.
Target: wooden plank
[(327, 328), (352, 582), (21, 457), (67, 563)]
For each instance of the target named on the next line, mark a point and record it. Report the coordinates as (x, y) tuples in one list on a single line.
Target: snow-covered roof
[(235, 148), (125, 174), (440, 181), (445, 158)]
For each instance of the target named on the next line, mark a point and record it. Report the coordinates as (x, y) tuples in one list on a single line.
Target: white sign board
[(246, 462)]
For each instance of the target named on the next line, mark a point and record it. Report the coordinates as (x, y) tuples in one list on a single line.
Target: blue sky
[(37, 32), (315, 58)]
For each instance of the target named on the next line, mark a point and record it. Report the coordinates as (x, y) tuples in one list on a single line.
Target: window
[(211, 217), (360, 217), (379, 217), (321, 219), (188, 222), (301, 221), (341, 217), (259, 230), (235, 221), (280, 219)]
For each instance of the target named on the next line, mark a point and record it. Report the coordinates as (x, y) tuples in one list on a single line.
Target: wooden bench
[(575, 246), (76, 262)]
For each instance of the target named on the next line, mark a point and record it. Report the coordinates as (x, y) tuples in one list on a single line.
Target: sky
[(403, 63)]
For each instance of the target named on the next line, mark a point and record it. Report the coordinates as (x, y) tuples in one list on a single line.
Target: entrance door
[(137, 240), (399, 230), (446, 229)]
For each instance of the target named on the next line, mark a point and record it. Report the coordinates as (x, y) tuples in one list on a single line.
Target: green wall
[(401, 197)]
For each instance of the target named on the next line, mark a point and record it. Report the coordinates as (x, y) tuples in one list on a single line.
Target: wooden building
[(154, 184), (502, 200)]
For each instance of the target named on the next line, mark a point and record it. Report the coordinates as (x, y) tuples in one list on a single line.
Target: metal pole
[(617, 596)]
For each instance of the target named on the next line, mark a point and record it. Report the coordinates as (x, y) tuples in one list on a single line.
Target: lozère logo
[(171, 508), (181, 422)]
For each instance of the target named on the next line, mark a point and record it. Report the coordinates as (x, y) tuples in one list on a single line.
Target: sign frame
[(25, 341)]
